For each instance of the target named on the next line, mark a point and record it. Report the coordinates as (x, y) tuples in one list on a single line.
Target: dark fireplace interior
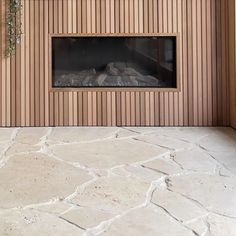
[(114, 62)]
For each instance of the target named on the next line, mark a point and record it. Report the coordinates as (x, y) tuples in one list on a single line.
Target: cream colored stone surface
[(118, 181), (214, 193), (87, 217), (108, 153), (181, 208), (34, 178), (147, 221), (115, 194), (32, 222), (68, 134)]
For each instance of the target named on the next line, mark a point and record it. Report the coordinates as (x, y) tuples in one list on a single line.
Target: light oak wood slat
[(46, 59), (80, 108), (93, 16), (94, 95), (203, 117), (132, 108), (103, 16), (123, 109), (85, 108), (113, 108), (108, 111), (2, 66), (136, 16), (180, 95), (104, 108), (127, 108), (147, 108), (200, 59), (209, 60), (137, 109), (152, 109), (107, 16), (75, 108), (90, 109), (22, 71), (99, 108), (32, 63), (118, 109)]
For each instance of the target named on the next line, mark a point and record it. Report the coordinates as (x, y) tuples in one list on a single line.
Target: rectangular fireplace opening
[(114, 62)]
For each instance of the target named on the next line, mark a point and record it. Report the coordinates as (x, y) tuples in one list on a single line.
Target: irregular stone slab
[(34, 178), (195, 160), (164, 166), (213, 192), (31, 222), (6, 134), (114, 194), (200, 226), (221, 226), (222, 140), (187, 134), (87, 217), (54, 208), (30, 136), (17, 148), (181, 208), (107, 154), (81, 134), (137, 172), (227, 159), (146, 221), (165, 142)]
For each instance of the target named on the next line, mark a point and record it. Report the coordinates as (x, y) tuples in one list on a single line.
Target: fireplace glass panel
[(114, 62)]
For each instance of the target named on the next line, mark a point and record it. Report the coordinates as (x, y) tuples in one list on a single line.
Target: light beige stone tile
[(148, 222), (195, 160), (164, 166), (54, 208), (188, 134), (30, 136), (226, 159), (222, 140), (107, 154), (35, 178), (31, 222), (87, 217), (6, 134), (114, 194), (16, 148), (221, 226), (215, 193), (143, 173), (200, 226), (81, 134), (166, 142), (181, 208)]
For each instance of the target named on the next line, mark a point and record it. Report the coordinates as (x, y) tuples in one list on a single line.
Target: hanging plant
[(13, 24)]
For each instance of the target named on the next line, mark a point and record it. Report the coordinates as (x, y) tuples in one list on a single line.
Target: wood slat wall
[(25, 98)]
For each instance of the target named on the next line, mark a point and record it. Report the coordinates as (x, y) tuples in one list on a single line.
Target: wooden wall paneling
[(204, 97)]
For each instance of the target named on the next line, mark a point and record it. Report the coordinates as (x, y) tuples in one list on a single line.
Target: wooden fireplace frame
[(114, 89)]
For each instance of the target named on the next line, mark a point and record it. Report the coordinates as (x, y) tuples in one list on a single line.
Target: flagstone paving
[(118, 181)]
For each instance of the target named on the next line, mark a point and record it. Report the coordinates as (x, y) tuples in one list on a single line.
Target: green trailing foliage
[(13, 25)]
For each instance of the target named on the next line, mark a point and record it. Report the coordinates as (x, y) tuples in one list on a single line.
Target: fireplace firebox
[(114, 62)]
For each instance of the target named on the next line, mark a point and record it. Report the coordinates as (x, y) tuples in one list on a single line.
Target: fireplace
[(114, 62)]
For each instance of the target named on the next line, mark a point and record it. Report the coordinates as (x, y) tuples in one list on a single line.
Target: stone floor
[(118, 181)]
